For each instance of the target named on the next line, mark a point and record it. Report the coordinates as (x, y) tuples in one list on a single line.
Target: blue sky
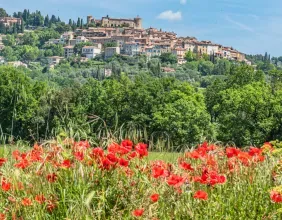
[(251, 26)]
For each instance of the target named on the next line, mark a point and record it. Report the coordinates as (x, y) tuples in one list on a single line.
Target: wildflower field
[(74, 180)]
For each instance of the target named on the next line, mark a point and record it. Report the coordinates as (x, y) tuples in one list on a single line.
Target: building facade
[(90, 51), (111, 51)]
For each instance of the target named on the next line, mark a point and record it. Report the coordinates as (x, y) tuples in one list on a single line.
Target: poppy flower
[(97, 152), (50, 206), (52, 177), (2, 216), (232, 152), (186, 166), (6, 186), (157, 172), (79, 156), (138, 212), (175, 180), (154, 197), (26, 202), (276, 197), (40, 199), (123, 162), (141, 149), (202, 195), (2, 161), (24, 163), (66, 164), (126, 147)]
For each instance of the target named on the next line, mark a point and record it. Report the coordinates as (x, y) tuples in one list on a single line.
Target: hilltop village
[(128, 37)]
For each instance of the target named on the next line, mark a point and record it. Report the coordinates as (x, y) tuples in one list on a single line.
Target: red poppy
[(97, 152), (2, 161), (82, 145), (112, 158), (138, 212), (157, 172), (126, 147), (202, 195), (232, 152), (26, 202), (154, 197), (276, 197), (175, 180), (186, 166), (255, 151), (2, 216), (66, 164), (52, 177), (50, 206), (132, 155), (113, 148), (123, 162), (79, 155), (24, 163), (6, 186), (141, 149), (40, 199)]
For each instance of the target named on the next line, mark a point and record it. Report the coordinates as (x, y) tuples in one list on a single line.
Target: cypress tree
[(70, 22), (81, 25), (46, 21), (78, 23)]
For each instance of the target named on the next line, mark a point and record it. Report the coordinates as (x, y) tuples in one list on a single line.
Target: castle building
[(135, 23)]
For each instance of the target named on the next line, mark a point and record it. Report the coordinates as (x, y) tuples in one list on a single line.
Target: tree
[(168, 58), (70, 22), (78, 23), (81, 25), (8, 53), (244, 114), (3, 13), (9, 40), (206, 68), (190, 56), (46, 21), (78, 47), (29, 53), (183, 116), (222, 67), (30, 38)]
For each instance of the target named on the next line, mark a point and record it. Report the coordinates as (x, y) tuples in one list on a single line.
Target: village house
[(54, 60), (9, 21), (17, 64), (90, 51), (111, 51), (101, 40), (179, 52), (69, 51), (132, 48)]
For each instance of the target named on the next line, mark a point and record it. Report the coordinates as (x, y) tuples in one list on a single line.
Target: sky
[(250, 26)]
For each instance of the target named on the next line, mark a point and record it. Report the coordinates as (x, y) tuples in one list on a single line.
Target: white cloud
[(170, 15), (183, 2)]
